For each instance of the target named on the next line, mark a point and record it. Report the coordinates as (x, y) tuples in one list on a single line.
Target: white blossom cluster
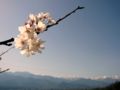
[(27, 41)]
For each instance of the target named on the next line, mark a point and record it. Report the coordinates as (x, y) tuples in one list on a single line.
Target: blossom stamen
[(22, 42), (44, 17), (30, 24), (38, 29), (32, 21), (26, 23), (27, 31), (40, 18)]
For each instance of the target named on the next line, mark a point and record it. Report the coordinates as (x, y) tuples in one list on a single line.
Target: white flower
[(20, 42), (40, 27), (28, 51), (37, 45), (50, 19), (53, 21), (32, 18), (42, 47), (28, 22), (44, 16), (27, 31), (34, 46), (37, 19), (32, 39), (40, 17)]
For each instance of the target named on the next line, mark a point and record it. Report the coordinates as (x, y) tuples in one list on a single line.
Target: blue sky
[(85, 44)]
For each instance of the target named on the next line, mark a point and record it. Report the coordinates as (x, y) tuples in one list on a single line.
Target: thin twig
[(6, 51), (63, 17), (4, 70)]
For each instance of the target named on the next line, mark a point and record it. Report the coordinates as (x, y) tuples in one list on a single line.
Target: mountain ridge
[(28, 80), (27, 74)]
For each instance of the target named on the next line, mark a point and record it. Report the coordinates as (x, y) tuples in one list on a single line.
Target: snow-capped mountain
[(107, 79), (93, 78)]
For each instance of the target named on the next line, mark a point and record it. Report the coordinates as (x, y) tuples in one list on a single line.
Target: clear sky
[(85, 44)]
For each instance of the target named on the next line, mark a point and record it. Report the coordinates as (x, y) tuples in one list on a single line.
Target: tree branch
[(6, 42), (4, 70), (63, 17), (6, 51)]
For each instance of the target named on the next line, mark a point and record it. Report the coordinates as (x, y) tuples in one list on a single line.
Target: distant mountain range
[(106, 79), (28, 80), (95, 78)]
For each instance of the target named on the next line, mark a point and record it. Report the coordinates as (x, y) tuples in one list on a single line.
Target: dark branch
[(6, 42), (4, 70), (63, 17)]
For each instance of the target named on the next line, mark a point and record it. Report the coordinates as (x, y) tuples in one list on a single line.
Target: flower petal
[(53, 21), (42, 47), (22, 51)]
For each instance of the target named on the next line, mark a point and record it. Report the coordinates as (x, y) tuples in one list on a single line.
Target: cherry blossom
[(20, 42), (40, 27), (27, 41), (50, 19), (28, 51), (27, 31), (44, 16), (32, 18), (36, 46), (28, 22), (40, 17)]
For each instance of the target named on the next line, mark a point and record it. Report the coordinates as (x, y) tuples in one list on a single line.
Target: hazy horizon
[(94, 78)]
